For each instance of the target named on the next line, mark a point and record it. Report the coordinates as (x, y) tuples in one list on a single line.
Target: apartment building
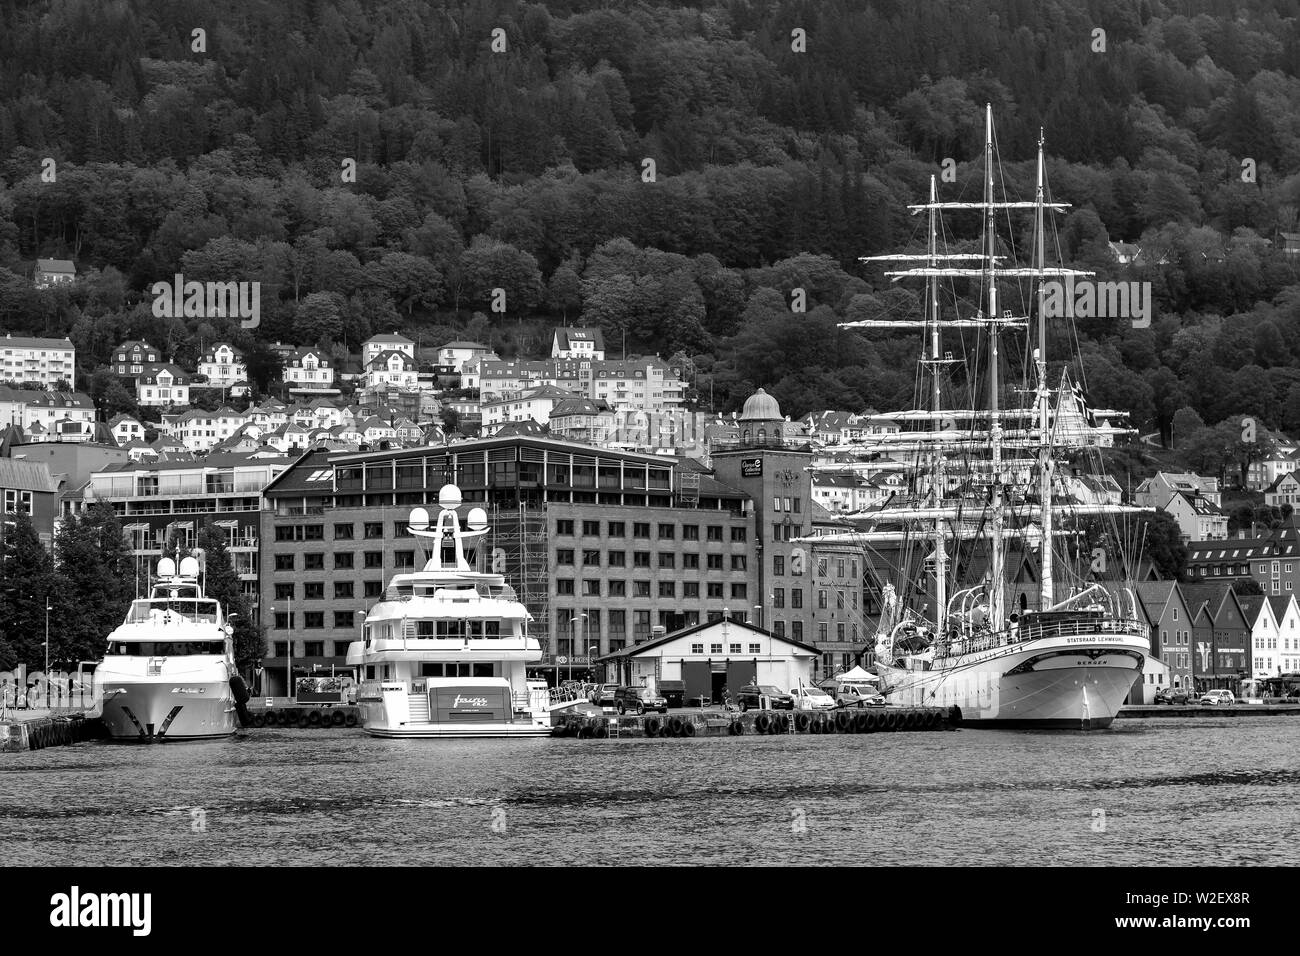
[(38, 362), (160, 500)]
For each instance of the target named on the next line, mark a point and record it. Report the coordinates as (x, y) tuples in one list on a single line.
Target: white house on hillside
[(578, 344), (378, 344), (391, 368), (223, 365), (456, 355), (162, 385)]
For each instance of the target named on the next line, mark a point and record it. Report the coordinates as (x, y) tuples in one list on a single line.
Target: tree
[(27, 580), (264, 365), (95, 579), (410, 280), (1162, 544), (221, 583), (1244, 586), (490, 264), (319, 318)]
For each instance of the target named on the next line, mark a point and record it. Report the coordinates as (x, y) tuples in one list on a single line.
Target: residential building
[(125, 429), (48, 415), (1171, 628), (1220, 634), (581, 419), (52, 272), (1279, 652), (378, 344), (308, 371), (1273, 559), (27, 487), (456, 355), (1198, 519), (535, 404), (586, 344), (1283, 457), (35, 361), (132, 357), (1156, 491), (160, 386), (1285, 490), (391, 368), (1265, 631), (200, 430), (223, 365), (644, 384)]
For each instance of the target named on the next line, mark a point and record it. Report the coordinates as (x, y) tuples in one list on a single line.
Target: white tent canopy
[(857, 675)]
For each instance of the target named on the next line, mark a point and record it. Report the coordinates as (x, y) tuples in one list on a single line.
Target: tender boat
[(169, 670), (444, 652)]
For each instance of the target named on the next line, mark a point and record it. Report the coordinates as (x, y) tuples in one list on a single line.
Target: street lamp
[(47, 652)]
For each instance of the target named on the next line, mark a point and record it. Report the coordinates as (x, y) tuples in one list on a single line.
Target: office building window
[(714, 562), (739, 590), (690, 532), (738, 562), (591, 527), (715, 532), (342, 589), (590, 557), (313, 562), (373, 589), (667, 589), (313, 619), (564, 586), (591, 588), (617, 588), (778, 564), (778, 597), (715, 589), (374, 559), (690, 589), (563, 555), (284, 562), (821, 598), (690, 561), (564, 526), (313, 591), (343, 532), (618, 559), (617, 529), (346, 619), (738, 534), (667, 532), (667, 559), (343, 559), (313, 648), (641, 529), (284, 592), (374, 529), (640, 588), (641, 559)]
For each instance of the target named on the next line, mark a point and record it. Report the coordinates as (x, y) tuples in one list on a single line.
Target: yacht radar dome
[(166, 568), (189, 567), (477, 519), (449, 497), (419, 519)]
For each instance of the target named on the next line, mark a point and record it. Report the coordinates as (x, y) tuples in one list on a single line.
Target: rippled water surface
[(1143, 791)]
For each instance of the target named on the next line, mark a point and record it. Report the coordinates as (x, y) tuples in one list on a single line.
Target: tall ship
[(1001, 599), (444, 652), (169, 669)]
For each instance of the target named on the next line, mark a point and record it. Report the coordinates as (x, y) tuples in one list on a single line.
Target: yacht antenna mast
[(996, 568)]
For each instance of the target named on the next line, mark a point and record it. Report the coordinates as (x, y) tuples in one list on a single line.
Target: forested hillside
[(505, 145)]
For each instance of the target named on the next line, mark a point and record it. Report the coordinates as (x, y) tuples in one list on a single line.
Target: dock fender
[(675, 726), (350, 720), (891, 721), (862, 722), (738, 726), (688, 728), (762, 723), (338, 718), (954, 715), (240, 689), (842, 721), (652, 726), (801, 722), (313, 718)]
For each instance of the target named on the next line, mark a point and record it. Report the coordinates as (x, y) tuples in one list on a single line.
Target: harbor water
[(1142, 792)]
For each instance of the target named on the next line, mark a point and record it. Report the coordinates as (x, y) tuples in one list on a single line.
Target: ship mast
[(937, 479), (996, 568), (1046, 462)]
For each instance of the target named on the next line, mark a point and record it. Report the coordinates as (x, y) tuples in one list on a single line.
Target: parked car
[(1173, 695), (776, 698), (859, 695), (811, 698), (602, 695), (638, 700), (1214, 698)]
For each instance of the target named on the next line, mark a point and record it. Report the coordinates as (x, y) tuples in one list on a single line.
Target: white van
[(858, 694)]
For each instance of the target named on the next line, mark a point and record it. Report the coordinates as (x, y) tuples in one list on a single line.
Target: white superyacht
[(445, 651), (169, 669)]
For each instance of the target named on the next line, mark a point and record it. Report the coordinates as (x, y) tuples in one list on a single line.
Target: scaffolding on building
[(519, 551), (689, 485)]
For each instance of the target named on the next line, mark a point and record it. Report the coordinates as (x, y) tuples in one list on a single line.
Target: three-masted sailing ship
[(992, 477)]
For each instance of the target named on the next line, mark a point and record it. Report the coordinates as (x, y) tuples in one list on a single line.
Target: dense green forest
[(504, 145)]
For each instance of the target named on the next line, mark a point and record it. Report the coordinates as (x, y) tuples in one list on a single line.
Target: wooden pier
[(717, 723), (54, 731)]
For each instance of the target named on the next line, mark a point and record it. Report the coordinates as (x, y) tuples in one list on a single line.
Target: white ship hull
[(1076, 682), (392, 710), (153, 710)]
